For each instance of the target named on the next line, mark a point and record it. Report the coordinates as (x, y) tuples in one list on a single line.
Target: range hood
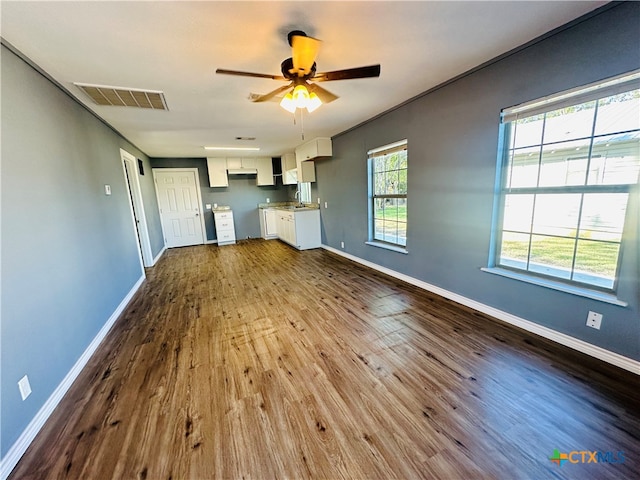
[(242, 171)]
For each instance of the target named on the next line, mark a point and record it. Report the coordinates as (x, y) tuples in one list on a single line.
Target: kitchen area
[(258, 197)]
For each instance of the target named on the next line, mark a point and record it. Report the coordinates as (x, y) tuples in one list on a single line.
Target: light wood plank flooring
[(257, 361)]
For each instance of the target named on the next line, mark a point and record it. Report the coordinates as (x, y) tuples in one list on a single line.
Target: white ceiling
[(175, 47)]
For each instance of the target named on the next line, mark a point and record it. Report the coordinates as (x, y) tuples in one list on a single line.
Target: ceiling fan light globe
[(300, 96), (313, 103), (288, 104)]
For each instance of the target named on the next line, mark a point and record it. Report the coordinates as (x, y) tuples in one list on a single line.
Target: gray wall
[(69, 254), (242, 195), (452, 137)]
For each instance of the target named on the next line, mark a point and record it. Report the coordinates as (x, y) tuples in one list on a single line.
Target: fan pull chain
[(301, 121)]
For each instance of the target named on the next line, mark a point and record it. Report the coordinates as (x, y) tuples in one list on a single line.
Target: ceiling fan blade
[(304, 52), (324, 95), (249, 74), (268, 96), (349, 73)]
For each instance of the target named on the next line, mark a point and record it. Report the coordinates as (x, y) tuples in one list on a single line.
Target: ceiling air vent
[(124, 97)]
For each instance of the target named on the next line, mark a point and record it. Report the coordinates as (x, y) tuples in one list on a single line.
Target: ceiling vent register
[(124, 97)]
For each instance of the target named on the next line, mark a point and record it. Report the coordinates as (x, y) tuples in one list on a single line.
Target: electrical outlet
[(594, 320), (25, 388), (341, 244), (268, 200), (208, 206), (325, 204)]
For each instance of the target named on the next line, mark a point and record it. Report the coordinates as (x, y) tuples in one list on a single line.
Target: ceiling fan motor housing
[(287, 65), (295, 33)]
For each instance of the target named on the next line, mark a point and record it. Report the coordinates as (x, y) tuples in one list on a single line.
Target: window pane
[(615, 160), (527, 131), (569, 123), (390, 231), (618, 113), (378, 208), (391, 209), (552, 256), (523, 168), (379, 164), (402, 162), (518, 213), (564, 163), (392, 182), (596, 263), (556, 214), (514, 250), (378, 233), (603, 216), (402, 233), (379, 183), (402, 209), (402, 181)]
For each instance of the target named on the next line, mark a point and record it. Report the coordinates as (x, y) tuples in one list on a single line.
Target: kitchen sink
[(294, 207)]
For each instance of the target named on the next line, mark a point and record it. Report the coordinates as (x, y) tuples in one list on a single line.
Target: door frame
[(136, 203), (196, 172)]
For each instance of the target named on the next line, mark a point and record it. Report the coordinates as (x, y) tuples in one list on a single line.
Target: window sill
[(386, 246), (562, 287)]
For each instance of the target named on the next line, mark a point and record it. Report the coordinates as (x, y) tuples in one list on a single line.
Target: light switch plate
[(107, 189), (25, 387)]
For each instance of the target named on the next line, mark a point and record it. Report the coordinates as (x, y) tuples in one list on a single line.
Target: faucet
[(297, 195)]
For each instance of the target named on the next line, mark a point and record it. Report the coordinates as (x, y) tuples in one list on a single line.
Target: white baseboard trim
[(209, 242), (16, 451), (561, 338), (157, 257)]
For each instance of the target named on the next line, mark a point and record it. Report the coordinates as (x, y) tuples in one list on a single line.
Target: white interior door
[(137, 206), (179, 202)]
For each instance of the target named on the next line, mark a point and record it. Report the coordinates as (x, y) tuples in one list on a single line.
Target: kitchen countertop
[(221, 208), (290, 206)]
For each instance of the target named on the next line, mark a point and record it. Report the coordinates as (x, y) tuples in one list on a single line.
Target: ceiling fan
[(299, 71)]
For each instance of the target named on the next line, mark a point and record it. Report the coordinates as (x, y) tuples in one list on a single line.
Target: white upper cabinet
[(317, 148), (265, 171), (306, 171), (249, 163), (289, 169), (235, 163), (217, 168)]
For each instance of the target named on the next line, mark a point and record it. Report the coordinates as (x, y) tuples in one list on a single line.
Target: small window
[(388, 195), (568, 165), (305, 192)]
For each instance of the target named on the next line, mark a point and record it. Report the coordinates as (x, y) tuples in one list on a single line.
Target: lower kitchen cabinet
[(225, 228), (268, 223), (300, 229)]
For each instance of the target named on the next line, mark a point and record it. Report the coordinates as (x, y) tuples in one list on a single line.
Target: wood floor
[(257, 361)]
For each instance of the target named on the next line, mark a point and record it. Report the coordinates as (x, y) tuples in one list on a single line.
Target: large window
[(388, 195), (570, 163)]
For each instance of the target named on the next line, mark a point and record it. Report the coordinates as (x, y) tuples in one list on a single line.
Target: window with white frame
[(569, 166), (304, 189), (388, 194)]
